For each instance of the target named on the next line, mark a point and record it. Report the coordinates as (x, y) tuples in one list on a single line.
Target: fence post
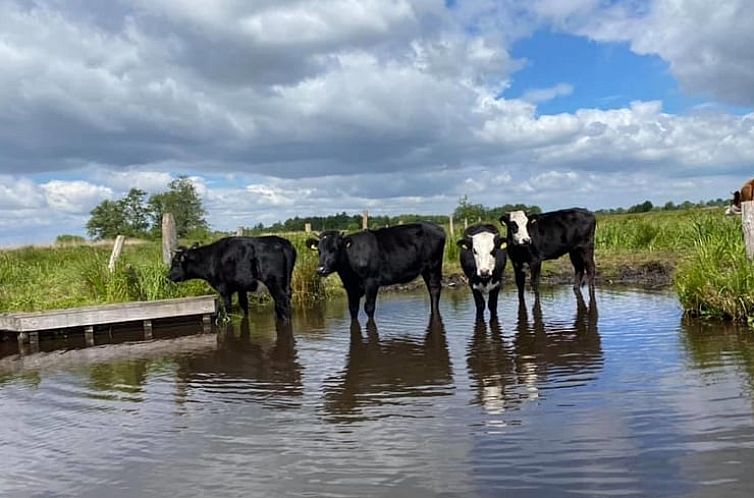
[(117, 249), (239, 232), (747, 223), (465, 223), (365, 220), (452, 232), (307, 227), (169, 238)]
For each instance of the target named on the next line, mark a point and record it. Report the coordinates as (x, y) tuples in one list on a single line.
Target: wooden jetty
[(29, 325)]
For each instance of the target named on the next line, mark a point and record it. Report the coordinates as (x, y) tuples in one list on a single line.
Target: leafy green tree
[(135, 213), (184, 203), (469, 211), (107, 220)]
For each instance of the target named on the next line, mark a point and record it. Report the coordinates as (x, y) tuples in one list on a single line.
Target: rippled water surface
[(618, 398)]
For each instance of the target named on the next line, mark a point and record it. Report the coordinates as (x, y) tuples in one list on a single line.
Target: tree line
[(139, 216)]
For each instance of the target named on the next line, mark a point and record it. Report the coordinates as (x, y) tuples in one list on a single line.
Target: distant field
[(712, 275)]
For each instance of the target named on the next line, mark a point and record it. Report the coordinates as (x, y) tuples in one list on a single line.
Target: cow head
[(484, 246), (517, 223), (329, 244), (183, 258), (735, 204)]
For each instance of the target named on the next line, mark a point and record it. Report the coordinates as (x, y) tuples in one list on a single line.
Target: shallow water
[(621, 398)]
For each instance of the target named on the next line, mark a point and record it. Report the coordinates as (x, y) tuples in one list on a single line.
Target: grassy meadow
[(712, 275)]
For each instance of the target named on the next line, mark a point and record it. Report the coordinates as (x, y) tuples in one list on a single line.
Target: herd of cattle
[(369, 259)]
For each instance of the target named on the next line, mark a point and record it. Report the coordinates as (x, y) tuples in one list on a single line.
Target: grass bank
[(699, 251)]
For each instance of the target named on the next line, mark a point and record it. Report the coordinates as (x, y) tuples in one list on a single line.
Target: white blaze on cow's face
[(520, 233), (483, 245)]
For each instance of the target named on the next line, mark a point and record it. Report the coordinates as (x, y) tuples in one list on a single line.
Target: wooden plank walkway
[(28, 325)]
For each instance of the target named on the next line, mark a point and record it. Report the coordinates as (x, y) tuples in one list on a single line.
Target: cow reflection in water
[(380, 372), (244, 368), (506, 375)]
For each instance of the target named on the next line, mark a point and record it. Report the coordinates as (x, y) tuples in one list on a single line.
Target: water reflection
[(490, 366), (264, 368), (543, 350), (712, 345), (382, 371)]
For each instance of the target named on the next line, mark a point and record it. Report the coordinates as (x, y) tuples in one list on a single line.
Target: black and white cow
[(534, 238), (369, 259), (483, 261), (238, 264)]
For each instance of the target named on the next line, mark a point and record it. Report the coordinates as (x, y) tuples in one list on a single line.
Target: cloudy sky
[(279, 108)]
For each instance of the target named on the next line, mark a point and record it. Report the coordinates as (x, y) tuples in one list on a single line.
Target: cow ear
[(312, 244), (464, 244), (347, 241), (504, 219), (532, 218), (500, 243)]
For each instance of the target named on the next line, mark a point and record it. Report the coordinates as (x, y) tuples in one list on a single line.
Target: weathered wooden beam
[(747, 224), (110, 313)]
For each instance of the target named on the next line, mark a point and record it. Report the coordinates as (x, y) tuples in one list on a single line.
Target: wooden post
[(747, 223), (465, 223), (307, 227), (169, 238), (148, 330), (34, 342), (365, 220), (239, 232), (89, 335), (22, 337), (452, 232), (117, 249), (206, 324)]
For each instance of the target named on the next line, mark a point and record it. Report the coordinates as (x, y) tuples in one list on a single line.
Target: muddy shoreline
[(651, 274)]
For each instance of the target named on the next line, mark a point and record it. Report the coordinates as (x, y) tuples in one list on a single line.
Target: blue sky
[(278, 109)]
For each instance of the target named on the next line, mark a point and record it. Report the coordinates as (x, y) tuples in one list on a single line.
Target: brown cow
[(745, 194)]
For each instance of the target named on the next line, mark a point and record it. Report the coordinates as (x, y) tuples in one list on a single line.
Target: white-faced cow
[(535, 238), (369, 259), (746, 193), (238, 264), (483, 261)]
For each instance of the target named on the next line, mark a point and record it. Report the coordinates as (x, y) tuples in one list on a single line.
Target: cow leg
[(227, 296), (590, 267), (518, 270), (281, 298), (433, 280), (354, 296), (536, 269), (577, 259), (243, 302), (479, 301), (492, 301), (370, 301)]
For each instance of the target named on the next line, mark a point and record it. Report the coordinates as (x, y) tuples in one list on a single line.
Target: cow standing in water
[(483, 261), (238, 264), (367, 260), (745, 194), (535, 238)]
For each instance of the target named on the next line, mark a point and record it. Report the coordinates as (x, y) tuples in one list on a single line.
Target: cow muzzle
[(323, 271), (484, 273)]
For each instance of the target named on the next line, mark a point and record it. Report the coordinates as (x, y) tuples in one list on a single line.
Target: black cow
[(483, 261), (238, 264), (534, 238), (372, 258)]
